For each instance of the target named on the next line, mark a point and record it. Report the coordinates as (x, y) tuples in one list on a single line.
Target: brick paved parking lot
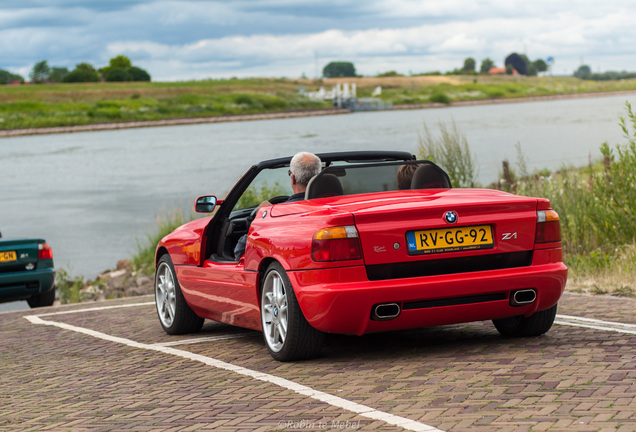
[(115, 369)]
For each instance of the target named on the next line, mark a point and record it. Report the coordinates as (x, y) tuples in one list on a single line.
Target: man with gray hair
[(302, 168)]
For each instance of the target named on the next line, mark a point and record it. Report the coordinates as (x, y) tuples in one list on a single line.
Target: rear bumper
[(341, 300), (23, 285)]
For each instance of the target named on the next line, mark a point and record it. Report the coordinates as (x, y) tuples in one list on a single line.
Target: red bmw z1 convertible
[(360, 255)]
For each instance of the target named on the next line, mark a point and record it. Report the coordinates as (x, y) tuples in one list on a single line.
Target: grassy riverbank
[(596, 207), (63, 105), (451, 89), (55, 105), (596, 204)]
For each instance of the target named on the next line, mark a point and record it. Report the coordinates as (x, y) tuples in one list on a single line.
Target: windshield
[(268, 184)]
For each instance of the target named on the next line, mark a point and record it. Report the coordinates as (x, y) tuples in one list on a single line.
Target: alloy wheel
[(165, 295), (274, 311)]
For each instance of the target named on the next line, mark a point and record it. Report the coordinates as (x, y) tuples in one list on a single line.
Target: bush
[(271, 102), (339, 69), (144, 259), (138, 74), (68, 288), (243, 99), (108, 113), (440, 97), (6, 77), (117, 75), (495, 93), (390, 74), (615, 189), (596, 204), (450, 150), (83, 72)]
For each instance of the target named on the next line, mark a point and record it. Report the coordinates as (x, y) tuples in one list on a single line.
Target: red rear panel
[(485, 223)]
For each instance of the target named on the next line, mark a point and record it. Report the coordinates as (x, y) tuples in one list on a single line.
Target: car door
[(221, 289)]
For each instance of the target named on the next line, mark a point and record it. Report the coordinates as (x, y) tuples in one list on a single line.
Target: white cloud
[(198, 39)]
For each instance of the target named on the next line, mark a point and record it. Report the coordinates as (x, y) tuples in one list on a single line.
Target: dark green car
[(27, 272)]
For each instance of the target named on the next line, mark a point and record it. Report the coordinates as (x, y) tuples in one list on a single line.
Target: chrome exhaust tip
[(522, 297), (385, 311)]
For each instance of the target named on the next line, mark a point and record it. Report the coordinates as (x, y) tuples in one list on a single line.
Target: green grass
[(32, 114), (51, 105), (597, 208), (596, 204), (144, 259), (484, 88), (450, 149)]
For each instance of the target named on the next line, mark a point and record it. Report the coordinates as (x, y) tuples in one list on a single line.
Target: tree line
[(119, 68), (513, 62), (585, 72)]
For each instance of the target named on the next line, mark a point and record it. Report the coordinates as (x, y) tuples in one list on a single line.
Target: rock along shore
[(122, 282)]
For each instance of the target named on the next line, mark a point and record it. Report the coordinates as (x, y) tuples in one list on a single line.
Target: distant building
[(345, 96)]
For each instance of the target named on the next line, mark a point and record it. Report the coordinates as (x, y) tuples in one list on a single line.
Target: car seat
[(322, 186)]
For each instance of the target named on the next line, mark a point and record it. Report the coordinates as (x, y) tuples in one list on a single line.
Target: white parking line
[(335, 401), (595, 324), (100, 308), (206, 339)]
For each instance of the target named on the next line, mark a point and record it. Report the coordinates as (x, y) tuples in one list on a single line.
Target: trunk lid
[(385, 220), (16, 255)]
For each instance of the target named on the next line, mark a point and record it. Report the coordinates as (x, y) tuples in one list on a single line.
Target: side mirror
[(206, 204)]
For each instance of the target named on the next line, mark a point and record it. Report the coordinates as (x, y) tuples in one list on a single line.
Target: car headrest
[(322, 186), (430, 176)]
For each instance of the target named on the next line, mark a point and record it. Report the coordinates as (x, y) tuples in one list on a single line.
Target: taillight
[(44, 251), (548, 227), (336, 244)]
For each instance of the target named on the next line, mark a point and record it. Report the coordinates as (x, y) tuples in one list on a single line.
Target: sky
[(200, 39)]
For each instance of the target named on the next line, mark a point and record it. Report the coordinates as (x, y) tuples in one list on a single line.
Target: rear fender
[(288, 239)]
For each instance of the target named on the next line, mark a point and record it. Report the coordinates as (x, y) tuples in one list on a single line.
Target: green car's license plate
[(7, 256), (449, 239)]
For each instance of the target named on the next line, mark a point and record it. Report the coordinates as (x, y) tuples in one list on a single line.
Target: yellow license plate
[(449, 239), (7, 256)]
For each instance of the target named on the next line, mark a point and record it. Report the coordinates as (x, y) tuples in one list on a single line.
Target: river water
[(94, 195)]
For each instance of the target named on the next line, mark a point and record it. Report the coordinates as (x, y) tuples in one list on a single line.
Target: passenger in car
[(302, 168), (405, 175)]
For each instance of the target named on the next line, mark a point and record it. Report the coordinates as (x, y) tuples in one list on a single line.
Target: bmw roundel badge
[(450, 217)]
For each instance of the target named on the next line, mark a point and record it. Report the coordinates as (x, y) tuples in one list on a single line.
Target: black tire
[(175, 315), (534, 325), (42, 300), (279, 306)]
